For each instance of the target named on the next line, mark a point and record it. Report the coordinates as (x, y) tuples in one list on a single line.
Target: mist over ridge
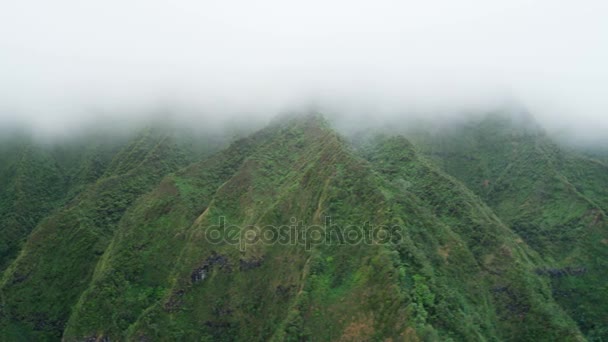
[(68, 65), (277, 170)]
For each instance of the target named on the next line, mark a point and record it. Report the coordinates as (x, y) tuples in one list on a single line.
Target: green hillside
[(554, 199), (36, 179), (84, 199), (485, 232)]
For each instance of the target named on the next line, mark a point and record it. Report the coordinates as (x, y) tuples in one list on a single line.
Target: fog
[(65, 64)]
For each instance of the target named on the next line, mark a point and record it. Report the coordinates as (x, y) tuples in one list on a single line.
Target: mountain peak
[(292, 233)]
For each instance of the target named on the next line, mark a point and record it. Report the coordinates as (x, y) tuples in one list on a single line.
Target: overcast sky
[(64, 62)]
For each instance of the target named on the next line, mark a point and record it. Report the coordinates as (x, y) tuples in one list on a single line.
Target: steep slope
[(31, 184), (556, 200), (318, 242), (56, 262), (134, 270), (500, 268), (36, 179)]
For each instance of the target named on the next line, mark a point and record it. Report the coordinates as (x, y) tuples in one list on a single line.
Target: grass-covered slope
[(37, 178), (55, 264), (487, 272), (488, 232), (32, 185), (555, 199), (135, 269), (452, 269)]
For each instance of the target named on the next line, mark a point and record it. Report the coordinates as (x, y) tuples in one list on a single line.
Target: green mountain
[(36, 179), (84, 191), (555, 199), (486, 231)]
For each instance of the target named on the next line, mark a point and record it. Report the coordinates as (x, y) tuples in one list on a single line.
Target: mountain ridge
[(453, 266)]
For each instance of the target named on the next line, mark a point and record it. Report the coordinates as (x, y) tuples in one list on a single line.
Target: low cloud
[(64, 64)]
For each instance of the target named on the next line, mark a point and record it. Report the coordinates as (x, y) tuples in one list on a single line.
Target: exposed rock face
[(201, 272), (245, 265)]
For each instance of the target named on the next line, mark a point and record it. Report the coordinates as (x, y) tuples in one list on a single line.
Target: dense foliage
[(494, 233)]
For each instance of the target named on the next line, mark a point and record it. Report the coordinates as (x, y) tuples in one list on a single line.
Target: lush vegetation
[(495, 234), (554, 199)]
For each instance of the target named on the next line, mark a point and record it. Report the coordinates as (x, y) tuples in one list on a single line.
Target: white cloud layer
[(63, 62)]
